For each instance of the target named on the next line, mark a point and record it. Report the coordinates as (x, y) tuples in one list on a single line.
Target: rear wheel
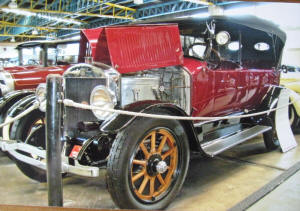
[(31, 130), (270, 137), (148, 163), (293, 117)]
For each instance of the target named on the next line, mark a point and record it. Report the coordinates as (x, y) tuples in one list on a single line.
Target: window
[(262, 46)]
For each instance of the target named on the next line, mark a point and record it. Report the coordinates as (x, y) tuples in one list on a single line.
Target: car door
[(202, 87), (225, 86)]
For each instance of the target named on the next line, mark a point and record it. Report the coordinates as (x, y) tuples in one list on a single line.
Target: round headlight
[(7, 80), (222, 38), (102, 98), (40, 94)]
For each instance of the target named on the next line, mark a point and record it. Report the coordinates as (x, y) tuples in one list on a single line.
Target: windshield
[(62, 54), (31, 56)]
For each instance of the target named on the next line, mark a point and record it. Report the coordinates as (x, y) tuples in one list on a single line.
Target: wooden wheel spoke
[(152, 183), (139, 162), (144, 149), (153, 140), (143, 185), (168, 153), (162, 144), (160, 179), (139, 175)]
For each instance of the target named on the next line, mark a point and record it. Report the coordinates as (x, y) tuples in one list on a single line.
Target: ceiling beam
[(101, 14), (23, 35), (282, 1), (48, 28)]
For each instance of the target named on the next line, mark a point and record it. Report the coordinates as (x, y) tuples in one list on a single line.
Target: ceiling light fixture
[(34, 32), (50, 18), (13, 4), (138, 1), (203, 2)]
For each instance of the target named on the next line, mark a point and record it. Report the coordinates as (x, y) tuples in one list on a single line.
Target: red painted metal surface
[(136, 48), (19, 68), (215, 92), (30, 79), (88, 43), (226, 90)]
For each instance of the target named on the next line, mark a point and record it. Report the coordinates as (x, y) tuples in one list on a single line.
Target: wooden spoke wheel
[(148, 163), (154, 164)]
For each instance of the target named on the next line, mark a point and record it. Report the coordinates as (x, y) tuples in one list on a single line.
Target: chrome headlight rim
[(40, 94), (8, 79), (75, 70), (111, 104)]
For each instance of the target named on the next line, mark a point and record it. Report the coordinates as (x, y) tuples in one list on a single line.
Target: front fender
[(14, 110), (118, 122), (21, 105), (9, 99)]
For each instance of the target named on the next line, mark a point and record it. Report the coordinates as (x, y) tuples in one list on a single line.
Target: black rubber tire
[(293, 118), (270, 137), (19, 131), (118, 166)]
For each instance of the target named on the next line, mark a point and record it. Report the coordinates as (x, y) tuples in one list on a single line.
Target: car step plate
[(219, 145)]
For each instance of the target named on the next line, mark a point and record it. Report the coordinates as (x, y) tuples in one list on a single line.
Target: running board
[(219, 145)]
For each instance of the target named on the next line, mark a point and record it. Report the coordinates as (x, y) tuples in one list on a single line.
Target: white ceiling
[(286, 15)]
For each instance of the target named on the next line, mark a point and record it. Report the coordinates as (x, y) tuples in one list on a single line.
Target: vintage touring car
[(37, 59), (217, 66), (44, 59)]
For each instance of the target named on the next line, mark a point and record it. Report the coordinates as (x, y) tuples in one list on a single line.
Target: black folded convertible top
[(245, 20)]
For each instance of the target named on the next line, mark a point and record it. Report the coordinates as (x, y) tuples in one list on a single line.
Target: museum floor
[(222, 183)]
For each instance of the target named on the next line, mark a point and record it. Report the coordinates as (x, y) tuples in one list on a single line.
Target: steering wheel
[(32, 62), (213, 64)]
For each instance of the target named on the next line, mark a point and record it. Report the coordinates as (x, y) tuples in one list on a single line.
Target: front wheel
[(148, 163), (31, 130)]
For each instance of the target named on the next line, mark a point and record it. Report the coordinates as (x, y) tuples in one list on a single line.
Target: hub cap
[(161, 167)]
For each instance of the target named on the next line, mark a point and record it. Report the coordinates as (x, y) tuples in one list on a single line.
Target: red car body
[(30, 76), (214, 92)]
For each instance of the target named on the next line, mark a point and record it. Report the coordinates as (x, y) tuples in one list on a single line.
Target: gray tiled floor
[(211, 184)]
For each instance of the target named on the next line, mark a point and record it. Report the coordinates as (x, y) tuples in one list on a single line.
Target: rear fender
[(294, 94), (294, 97), (118, 122), (270, 99)]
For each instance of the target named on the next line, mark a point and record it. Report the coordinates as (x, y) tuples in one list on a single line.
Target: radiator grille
[(79, 90)]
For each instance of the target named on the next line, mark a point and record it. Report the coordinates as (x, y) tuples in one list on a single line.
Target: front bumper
[(14, 148)]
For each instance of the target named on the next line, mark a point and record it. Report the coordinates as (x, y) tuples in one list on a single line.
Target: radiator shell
[(79, 90)]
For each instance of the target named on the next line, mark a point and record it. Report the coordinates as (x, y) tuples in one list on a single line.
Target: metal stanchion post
[(53, 143)]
